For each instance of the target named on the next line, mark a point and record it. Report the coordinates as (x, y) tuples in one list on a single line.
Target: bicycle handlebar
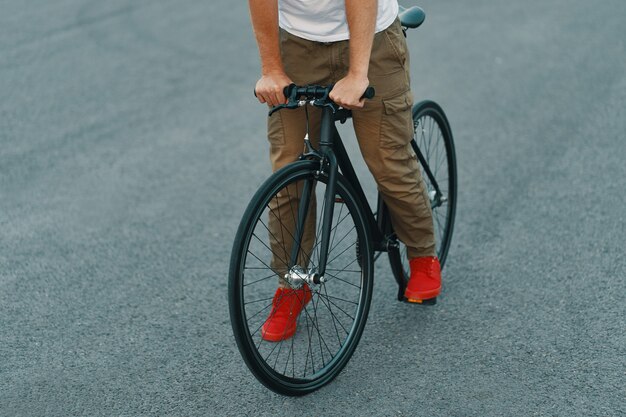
[(317, 95), (316, 92)]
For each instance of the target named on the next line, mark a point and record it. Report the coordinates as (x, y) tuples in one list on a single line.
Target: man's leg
[(384, 128), (305, 64)]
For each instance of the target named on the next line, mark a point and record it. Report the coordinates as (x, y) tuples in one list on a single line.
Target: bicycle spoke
[(314, 323), (342, 280), (332, 315), (268, 248), (336, 319), (259, 259), (335, 229), (257, 301), (341, 240), (318, 243), (260, 280), (319, 335), (345, 269), (258, 312), (342, 252), (339, 308), (430, 136), (341, 299)]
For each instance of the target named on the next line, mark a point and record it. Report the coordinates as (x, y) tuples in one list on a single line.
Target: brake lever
[(290, 105), (275, 109), (322, 102)]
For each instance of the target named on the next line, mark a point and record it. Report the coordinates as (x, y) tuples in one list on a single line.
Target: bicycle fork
[(297, 276)]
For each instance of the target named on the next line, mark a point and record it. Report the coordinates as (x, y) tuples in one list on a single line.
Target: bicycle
[(338, 264)]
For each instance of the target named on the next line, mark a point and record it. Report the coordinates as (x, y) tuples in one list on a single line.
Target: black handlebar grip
[(287, 90), (369, 93)]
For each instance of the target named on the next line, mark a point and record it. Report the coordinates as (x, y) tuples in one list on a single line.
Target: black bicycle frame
[(334, 158)]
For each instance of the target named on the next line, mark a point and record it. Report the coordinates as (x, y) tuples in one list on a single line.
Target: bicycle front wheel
[(287, 213), (433, 140)]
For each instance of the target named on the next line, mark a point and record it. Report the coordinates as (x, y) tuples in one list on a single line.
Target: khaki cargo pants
[(384, 128)]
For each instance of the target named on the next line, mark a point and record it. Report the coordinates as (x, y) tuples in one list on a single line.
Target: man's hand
[(269, 89), (348, 91)]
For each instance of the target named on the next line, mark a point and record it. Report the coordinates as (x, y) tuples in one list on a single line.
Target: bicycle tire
[(273, 369), (433, 137)]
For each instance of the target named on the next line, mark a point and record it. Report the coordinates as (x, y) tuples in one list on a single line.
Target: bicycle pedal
[(427, 302)]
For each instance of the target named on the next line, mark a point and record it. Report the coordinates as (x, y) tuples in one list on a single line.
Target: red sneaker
[(286, 307), (425, 282)]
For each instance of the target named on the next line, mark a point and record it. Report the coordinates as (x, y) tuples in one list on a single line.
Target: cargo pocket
[(396, 127)]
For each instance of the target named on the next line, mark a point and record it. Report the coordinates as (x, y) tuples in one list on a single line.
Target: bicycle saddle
[(411, 17)]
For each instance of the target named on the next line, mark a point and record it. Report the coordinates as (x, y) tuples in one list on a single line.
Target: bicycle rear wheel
[(330, 325), (433, 139)]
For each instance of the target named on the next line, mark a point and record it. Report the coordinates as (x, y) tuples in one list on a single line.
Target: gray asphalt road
[(131, 145)]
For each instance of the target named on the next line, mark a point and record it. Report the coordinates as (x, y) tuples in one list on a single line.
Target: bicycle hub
[(297, 277)]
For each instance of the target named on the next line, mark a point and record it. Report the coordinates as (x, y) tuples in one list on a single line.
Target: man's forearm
[(361, 15), (264, 15)]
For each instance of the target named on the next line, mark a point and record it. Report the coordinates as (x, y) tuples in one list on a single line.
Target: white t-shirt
[(325, 20)]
